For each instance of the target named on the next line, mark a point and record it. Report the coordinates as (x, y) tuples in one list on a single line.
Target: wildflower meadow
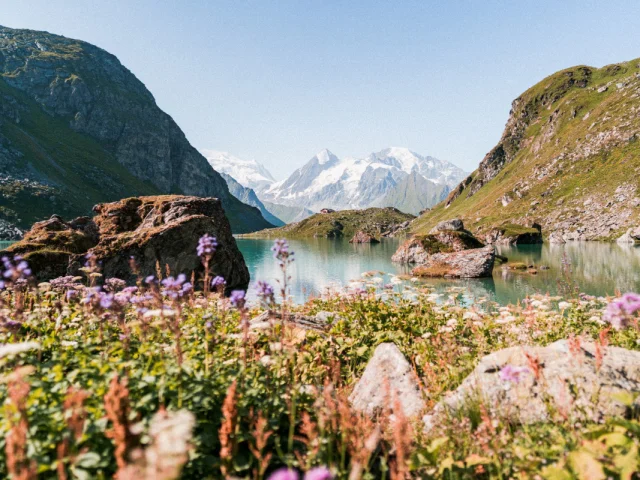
[(170, 378)]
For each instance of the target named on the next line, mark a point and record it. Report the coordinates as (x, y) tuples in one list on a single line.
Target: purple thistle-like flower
[(176, 287), (106, 300), (237, 298), (71, 294), (15, 270), (621, 311), (265, 291), (150, 279), (512, 374), (318, 473), (284, 474), (281, 251), (206, 246), (218, 282)]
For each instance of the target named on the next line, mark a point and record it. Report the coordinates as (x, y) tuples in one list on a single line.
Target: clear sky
[(280, 80)]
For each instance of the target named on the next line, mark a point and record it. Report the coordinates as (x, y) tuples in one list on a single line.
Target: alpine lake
[(593, 268)]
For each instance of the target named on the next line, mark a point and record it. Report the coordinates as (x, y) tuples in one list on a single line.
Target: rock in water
[(161, 230), (418, 248), (473, 263), (363, 237), (632, 236), (387, 374), (539, 384)]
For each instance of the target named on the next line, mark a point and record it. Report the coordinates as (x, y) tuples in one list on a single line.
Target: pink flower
[(318, 473), (284, 474)]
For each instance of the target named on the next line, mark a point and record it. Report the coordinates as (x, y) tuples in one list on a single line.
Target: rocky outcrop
[(473, 263), (9, 231), (631, 236), (321, 321), (387, 378), (95, 134), (448, 236), (567, 379), (161, 230), (453, 225), (512, 234), (363, 237)]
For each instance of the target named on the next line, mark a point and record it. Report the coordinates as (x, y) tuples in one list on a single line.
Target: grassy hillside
[(569, 159), (73, 171), (340, 224)]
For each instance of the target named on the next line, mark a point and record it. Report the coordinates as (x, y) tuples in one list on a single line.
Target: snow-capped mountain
[(394, 177), (249, 173)]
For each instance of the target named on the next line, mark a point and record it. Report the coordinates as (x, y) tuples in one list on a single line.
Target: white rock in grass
[(388, 375)]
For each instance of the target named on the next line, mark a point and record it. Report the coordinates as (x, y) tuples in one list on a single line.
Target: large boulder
[(363, 237), (156, 231), (630, 237), (474, 263), (566, 379), (455, 224), (418, 248), (388, 376)]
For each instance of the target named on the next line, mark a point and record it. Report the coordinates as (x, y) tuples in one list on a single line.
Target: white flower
[(160, 313), (564, 305), (471, 315), (67, 343), (16, 348)]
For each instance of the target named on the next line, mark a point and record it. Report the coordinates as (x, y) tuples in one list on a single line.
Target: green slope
[(569, 159), (340, 224)]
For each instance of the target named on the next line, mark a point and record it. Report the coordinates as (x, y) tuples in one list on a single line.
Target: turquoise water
[(4, 244), (595, 268)]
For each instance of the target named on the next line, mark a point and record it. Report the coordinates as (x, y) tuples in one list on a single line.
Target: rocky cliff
[(568, 159), (78, 128)]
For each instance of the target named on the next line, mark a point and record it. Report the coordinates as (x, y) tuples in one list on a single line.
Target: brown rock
[(474, 263), (160, 230), (419, 248), (363, 237)]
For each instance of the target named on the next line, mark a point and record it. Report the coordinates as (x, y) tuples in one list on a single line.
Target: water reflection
[(596, 268)]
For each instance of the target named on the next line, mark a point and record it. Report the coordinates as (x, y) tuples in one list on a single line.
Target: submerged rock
[(159, 231), (563, 380), (387, 377), (363, 237), (474, 263)]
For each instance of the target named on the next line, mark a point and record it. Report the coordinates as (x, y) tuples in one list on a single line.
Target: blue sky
[(279, 81)]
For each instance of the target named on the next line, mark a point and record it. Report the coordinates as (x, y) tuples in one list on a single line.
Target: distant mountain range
[(394, 177)]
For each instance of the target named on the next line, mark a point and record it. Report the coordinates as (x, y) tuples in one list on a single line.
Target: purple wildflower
[(15, 269), (106, 300), (265, 292), (621, 311), (150, 279), (71, 294), (206, 247), (281, 252), (176, 287), (318, 473), (284, 474), (512, 374), (237, 299), (218, 282), (62, 284)]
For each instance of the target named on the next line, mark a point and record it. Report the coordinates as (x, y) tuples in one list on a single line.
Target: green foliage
[(281, 373), (342, 223)]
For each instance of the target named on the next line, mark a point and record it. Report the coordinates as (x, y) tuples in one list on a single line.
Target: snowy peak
[(325, 157), (248, 173), (327, 181)]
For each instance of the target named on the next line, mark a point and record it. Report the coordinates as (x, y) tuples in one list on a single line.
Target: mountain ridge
[(568, 159), (78, 128)]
